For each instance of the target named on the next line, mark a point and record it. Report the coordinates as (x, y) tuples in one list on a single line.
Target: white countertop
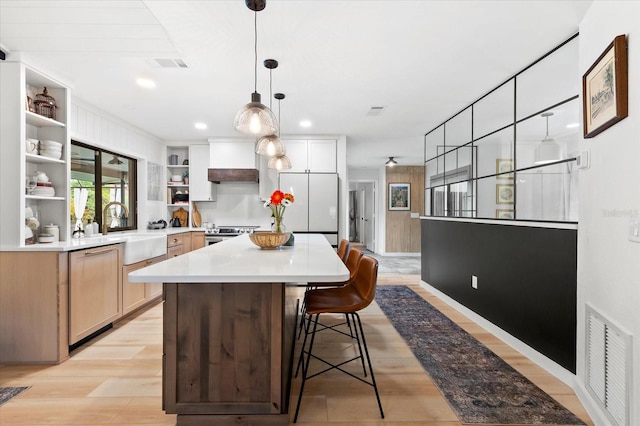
[(238, 260), (96, 240)]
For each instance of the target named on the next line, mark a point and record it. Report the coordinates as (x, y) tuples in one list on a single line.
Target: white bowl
[(51, 144), (46, 238), (51, 154), (176, 178)]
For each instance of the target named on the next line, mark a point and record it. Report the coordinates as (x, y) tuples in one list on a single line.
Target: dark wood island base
[(228, 352)]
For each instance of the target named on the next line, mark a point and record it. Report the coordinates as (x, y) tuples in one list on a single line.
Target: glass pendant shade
[(281, 162), (256, 119), (548, 151), (270, 145)]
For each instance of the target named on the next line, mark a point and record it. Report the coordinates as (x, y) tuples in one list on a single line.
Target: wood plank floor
[(116, 379)]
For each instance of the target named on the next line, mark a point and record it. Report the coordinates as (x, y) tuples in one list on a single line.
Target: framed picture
[(504, 165), (399, 196), (605, 95), (505, 193), (504, 214)]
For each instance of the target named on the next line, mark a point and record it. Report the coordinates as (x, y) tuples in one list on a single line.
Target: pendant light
[(279, 162), (548, 150), (270, 145), (391, 162), (254, 118)]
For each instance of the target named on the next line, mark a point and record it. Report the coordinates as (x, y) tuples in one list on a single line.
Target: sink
[(138, 247)]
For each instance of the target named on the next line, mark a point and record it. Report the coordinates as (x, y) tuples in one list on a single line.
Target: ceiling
[(422, 61)]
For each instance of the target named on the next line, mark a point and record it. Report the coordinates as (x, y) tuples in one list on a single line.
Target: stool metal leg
[(373, 379), (305, 367)]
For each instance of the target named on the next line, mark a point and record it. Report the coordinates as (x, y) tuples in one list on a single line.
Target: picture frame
[(605, 90), (399, 196), (505, 193), (505, 214), (504, 165)]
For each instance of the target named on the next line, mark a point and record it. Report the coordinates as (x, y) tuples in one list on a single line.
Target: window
[(98, 178)]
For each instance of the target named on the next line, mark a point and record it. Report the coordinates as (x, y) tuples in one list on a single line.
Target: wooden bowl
[(268, 239)]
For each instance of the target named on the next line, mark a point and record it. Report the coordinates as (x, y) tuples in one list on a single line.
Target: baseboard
[(541, 360), (591, 406), (401, 254)]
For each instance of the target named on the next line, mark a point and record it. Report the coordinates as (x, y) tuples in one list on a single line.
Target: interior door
[(362, 225), (369, 216)]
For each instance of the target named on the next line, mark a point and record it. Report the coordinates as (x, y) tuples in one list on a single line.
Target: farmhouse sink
[(138, 247)]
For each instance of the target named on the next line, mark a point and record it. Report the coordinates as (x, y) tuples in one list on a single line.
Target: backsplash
[(237, 204)]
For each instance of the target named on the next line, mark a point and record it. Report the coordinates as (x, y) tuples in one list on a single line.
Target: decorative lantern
[(45, 104)]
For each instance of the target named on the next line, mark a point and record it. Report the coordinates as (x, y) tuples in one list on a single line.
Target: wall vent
[(171, 63), (375, 110), (608, 366)]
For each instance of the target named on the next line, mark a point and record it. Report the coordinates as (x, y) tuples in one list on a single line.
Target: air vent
[(171, 63), (376, 110), (608, 366)]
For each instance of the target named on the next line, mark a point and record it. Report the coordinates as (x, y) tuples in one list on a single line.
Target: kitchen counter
[(96, 240), (229, 322), (238, 260)]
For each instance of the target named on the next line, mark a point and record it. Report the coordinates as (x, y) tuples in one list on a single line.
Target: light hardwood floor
[(116, 379)]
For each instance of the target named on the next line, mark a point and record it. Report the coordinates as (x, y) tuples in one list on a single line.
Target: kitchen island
[(229, 326)]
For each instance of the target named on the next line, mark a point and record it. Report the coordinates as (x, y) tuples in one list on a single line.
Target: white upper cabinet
[(312, 155), (200, 189), (232, 154)]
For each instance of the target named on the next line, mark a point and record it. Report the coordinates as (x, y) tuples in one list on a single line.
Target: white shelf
[(43, 197), (41, 159), (178, 205), (178, 166), (41, 121), (177, 185)]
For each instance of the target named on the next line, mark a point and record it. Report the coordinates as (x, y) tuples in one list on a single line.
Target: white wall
[(609, 264), (95, 127)]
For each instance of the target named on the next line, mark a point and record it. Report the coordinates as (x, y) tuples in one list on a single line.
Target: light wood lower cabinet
[(94, 290), (33, 307), (197, 240), (178, 244), (135, 295)]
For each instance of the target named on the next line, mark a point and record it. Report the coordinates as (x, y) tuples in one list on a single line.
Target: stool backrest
[(366, 280), (343, 248), (353, 259)]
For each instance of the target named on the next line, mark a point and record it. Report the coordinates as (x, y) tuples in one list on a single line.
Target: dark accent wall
[(526, 279)]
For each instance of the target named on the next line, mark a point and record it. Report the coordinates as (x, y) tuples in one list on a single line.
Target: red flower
[(277, 197)]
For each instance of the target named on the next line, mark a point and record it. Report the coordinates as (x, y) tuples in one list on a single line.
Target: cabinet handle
[(94, 253), (175, 240), (148, 262)]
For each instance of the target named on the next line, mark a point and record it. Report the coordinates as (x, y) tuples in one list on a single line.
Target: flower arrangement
[(278, 202)]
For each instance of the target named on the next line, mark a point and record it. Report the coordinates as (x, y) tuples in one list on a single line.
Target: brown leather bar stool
[(348, 299), (352, 261), (343, 249)]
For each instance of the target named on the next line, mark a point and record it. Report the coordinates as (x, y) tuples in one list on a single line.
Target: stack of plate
[(51, 149), (44, 189)]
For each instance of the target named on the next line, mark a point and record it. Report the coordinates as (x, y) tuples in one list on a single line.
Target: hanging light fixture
[(548, 150), (391, 162), (270, 145), (254, 118), (279, 162)]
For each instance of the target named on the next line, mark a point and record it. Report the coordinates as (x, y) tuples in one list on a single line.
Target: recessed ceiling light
[(147, 83), (200, 126), (573, 125), (305, 123)]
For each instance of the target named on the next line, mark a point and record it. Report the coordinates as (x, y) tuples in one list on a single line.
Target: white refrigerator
[(315, 209)]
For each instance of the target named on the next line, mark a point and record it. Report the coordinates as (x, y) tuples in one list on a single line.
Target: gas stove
[(230, 231)]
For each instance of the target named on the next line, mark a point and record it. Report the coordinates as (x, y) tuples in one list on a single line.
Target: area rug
[(6, 393), (479, 386)]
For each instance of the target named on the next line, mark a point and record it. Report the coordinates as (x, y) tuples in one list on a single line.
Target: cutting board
[(196, 219), (182, 216)]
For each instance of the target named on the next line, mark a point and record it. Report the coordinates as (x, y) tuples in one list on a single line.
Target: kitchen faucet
[(105, 228)]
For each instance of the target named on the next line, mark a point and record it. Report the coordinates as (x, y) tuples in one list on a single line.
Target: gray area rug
[(478, 384), (6, 393)]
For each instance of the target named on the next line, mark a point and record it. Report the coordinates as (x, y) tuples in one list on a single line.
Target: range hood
[(233, 175)]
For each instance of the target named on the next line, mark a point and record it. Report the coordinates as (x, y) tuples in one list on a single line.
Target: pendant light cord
[(255, 51)]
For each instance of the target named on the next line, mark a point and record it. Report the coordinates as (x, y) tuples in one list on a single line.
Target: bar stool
[(349, 299), (352, 261), (343, 249)]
